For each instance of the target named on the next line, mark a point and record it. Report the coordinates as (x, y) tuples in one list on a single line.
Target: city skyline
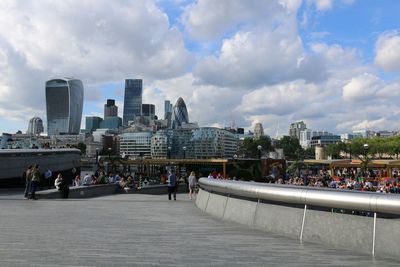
[(333, 64)]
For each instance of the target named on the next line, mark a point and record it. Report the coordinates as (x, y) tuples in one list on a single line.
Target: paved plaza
[(145, 230)]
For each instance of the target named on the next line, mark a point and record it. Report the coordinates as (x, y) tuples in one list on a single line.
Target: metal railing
[(320, 197)]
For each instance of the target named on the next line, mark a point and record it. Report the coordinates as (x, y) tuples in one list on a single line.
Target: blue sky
[(333, 63)]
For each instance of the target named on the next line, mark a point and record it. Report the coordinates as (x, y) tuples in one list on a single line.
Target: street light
[(109, 153), (365, 158), (169, 152), (97, 155), (184, 152), (259, 151)]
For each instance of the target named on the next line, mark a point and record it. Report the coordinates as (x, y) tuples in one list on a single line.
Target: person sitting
[(77, 181), (94, 180), (62, 186), (87, 180)]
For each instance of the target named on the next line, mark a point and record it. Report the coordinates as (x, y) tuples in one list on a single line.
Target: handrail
[(322, 197)]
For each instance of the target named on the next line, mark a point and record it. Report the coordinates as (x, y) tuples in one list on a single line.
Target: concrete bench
[(160, 189), (80, 191)]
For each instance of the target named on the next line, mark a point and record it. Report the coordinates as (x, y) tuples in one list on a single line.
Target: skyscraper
[(258, 131), (179, 114), (132, 100), (168, 112), (35, 126), (296, 128), (110, 109), (149, 110), (64, 104)]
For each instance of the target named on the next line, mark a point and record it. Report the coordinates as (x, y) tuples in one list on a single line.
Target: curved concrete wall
[(336, 230)]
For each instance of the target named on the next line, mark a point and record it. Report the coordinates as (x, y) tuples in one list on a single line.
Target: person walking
[(192, 185), (172, 183), (35, 181), (27, 176)]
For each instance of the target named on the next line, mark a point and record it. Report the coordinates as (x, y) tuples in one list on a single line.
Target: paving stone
[(145, 230)]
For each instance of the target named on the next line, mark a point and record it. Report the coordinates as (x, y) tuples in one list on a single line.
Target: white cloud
[(209, 19), (96, 41), (387, 51), (363, 87), (323, 5)]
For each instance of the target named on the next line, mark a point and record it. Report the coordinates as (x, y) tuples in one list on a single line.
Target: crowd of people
[(345, 180)]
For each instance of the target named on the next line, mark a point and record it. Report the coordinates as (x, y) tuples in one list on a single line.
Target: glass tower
[(179, 114), (132, 100), (64, 104)]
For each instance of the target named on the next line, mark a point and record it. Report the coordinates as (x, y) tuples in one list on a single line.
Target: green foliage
[(291, 147), (250, 145), (81, 146)]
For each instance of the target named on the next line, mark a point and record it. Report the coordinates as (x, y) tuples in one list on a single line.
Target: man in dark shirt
[(172, 183)]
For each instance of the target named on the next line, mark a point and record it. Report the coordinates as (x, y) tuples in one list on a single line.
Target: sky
[(335, 64)]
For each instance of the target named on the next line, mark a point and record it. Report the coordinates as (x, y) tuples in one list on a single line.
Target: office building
[(168, 112), (64, 104), (111, 123), (132, 100), (324, 140), (179, 114), (149, 111), (258, 131), (136, 145), (296, 128), (92, 124), (35, 126), (110, 109)]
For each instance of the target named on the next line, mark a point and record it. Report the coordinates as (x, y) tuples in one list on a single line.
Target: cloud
[(362, 88), (387, 52), (207, 19), (97, 42), (323, 5)]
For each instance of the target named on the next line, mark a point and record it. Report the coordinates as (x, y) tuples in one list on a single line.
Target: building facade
[(136, 145), (149, 111), (168, 112), (35, 126), (92, 124), (64, 104), (258, 131), (296, 128), (110, 109), (324, 140), (210, 142), (132, 100), (179, 114)]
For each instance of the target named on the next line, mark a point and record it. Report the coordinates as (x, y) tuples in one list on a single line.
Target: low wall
[(160, 189), (336, 230), (80, 191)]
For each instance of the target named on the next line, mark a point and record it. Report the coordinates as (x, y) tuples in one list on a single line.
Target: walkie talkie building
[(64, 104)]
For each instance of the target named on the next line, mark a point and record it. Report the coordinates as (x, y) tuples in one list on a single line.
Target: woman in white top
[(192, 185)]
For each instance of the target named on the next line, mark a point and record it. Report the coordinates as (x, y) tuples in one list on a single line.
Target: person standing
[(35, 181), (172, 183), (192, 185), (47, 177), (27, 176)]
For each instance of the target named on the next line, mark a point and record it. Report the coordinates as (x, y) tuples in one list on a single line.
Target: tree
[(291, 147), (250, 146), (81, 146)]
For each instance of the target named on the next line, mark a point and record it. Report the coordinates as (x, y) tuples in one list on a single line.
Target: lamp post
[(366, 146), (169, 152), (259, 151), (109, 153), (184, 152), (97, 156)]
